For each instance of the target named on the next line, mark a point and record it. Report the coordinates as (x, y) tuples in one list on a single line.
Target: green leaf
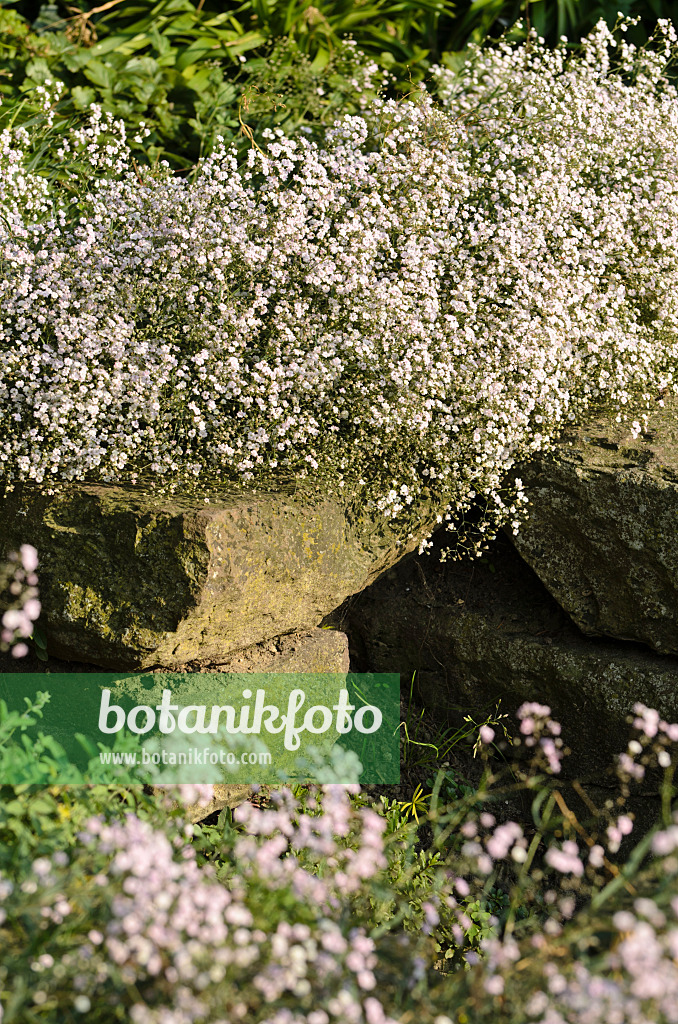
[(196, 52), (145, 92), (82, 96), (320, 60), (199, 78), (39, 638), (38, 70), (220, 19), (100, 74), (77, 60), (144, 65), (123, 44), (456, 60)]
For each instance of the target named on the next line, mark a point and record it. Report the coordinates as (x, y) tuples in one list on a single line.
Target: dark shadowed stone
[(603, 528), (130, 580), (478, 631)]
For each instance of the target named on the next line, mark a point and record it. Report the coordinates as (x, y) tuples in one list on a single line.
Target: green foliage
[(40, 821), (30, 757), (39, 641), (451, 786), (285, 88), (397, 33), (67, 882), (190, 73), (426, 747), (191, 70), (135, 82), (417, 804)]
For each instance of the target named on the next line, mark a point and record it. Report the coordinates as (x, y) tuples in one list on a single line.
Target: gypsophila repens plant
[(19, 603), (400, 314)]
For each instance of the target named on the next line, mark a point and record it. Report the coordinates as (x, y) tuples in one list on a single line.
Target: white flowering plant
[(403, 312)]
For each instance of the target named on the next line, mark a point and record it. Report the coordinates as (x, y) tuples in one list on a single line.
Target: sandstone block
[(132, 580)]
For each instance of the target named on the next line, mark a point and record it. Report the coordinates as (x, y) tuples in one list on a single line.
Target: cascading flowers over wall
[(403, 313)]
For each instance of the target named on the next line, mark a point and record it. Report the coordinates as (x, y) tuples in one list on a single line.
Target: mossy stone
[(131, 579)]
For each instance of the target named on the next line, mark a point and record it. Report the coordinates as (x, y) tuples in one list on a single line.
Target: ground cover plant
[(404, 311), (323, 903)]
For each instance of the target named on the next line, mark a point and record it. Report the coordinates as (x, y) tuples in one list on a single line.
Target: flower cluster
[(635, 980), (652, 746), (295, 911), (301, 843), (499, 842), (616, 959), (275, 941), (19, 605), (404, 311), (542, 732)]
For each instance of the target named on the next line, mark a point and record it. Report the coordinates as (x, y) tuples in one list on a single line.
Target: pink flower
[(486, 734), (499, 844), (494, 985), (374, 1011), (29, 557), (596, 856), (646, 720), (552, 753), (565, 860)]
